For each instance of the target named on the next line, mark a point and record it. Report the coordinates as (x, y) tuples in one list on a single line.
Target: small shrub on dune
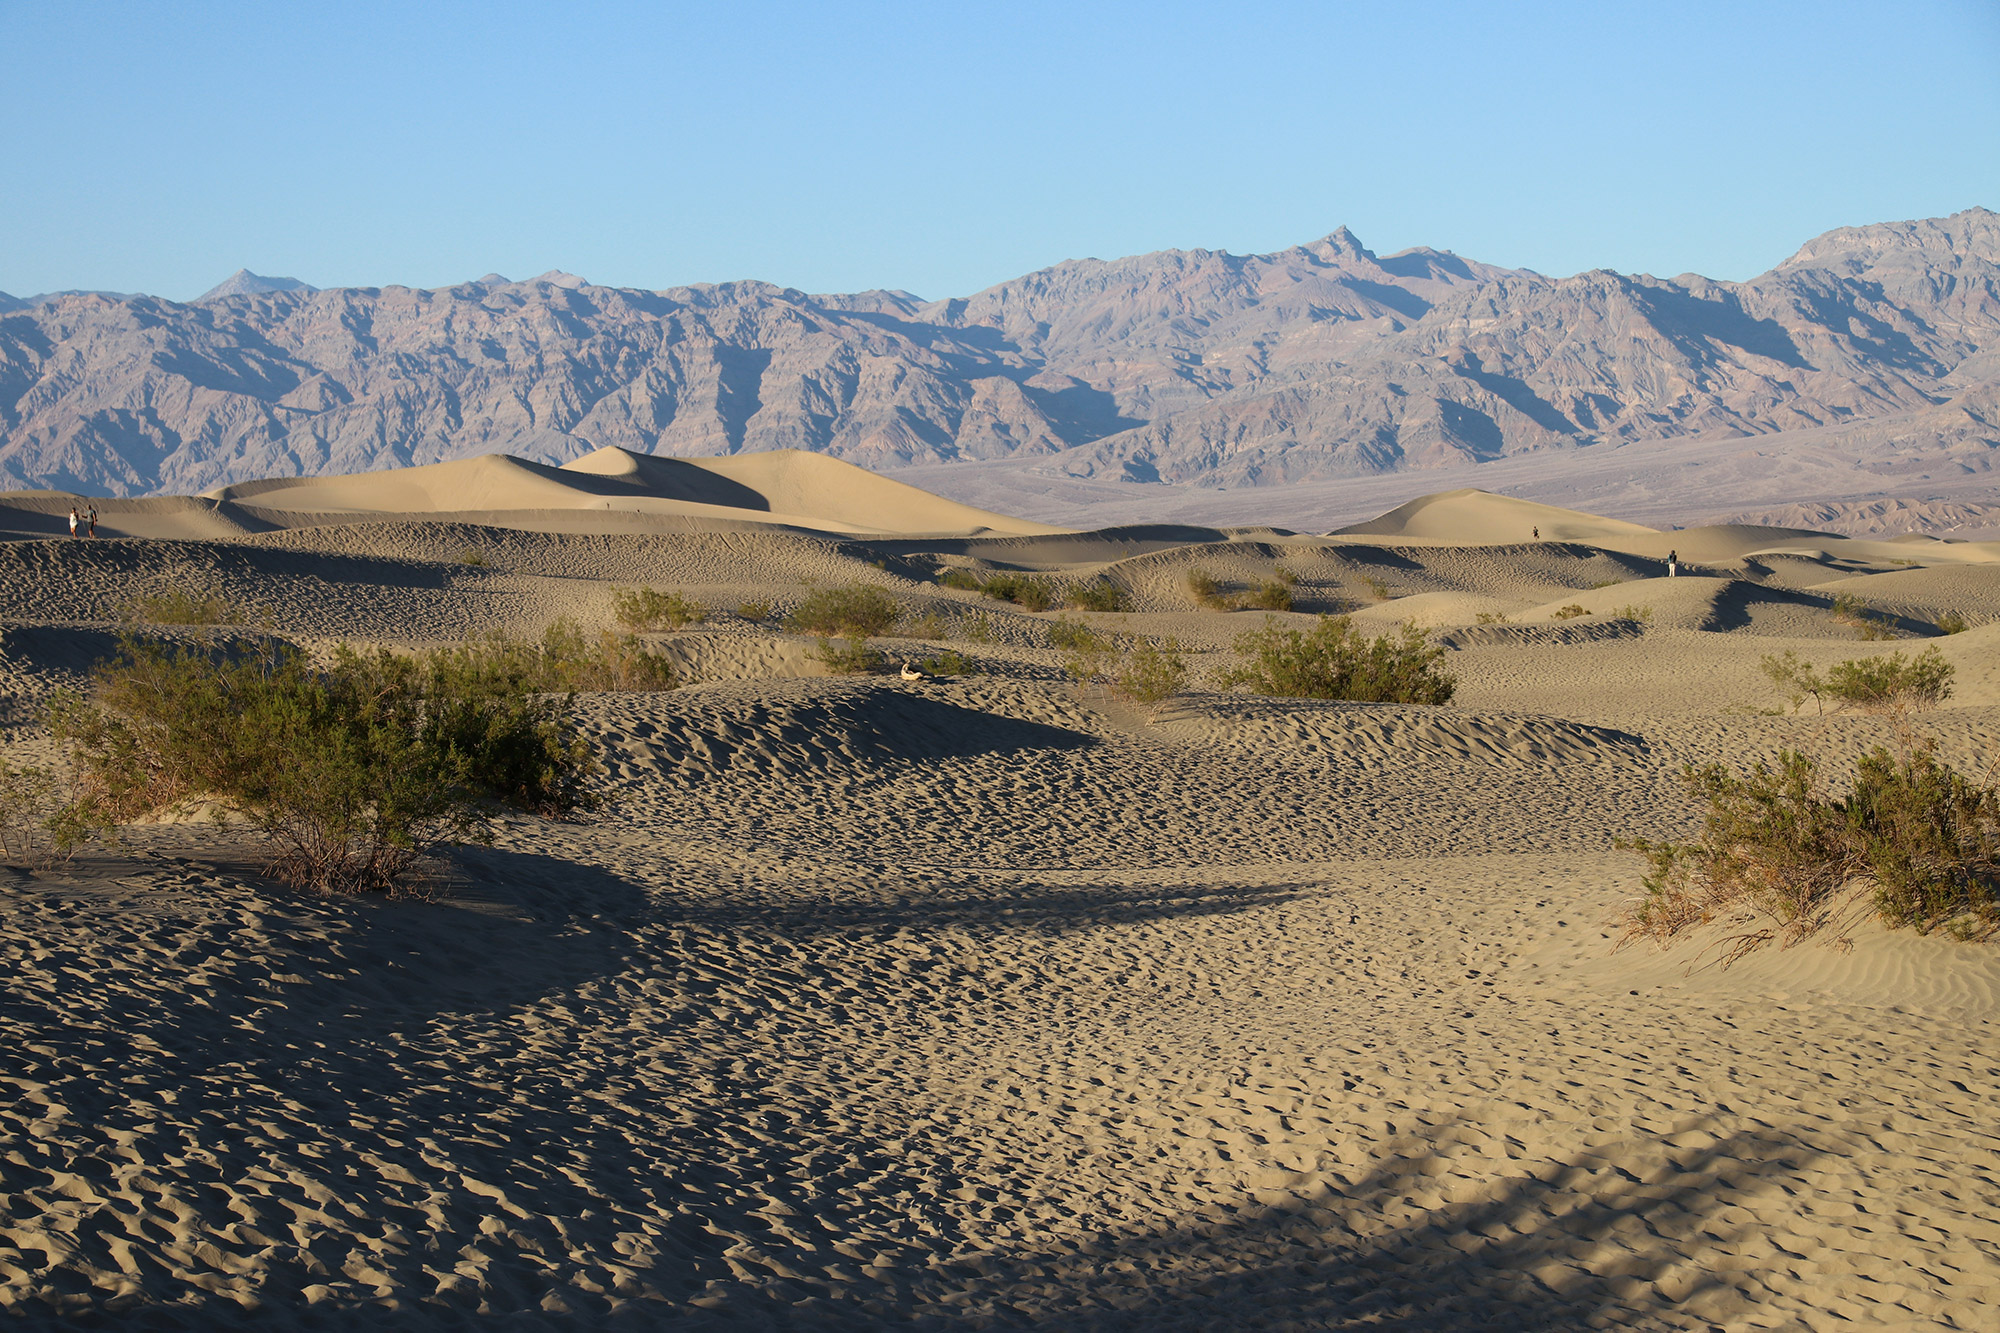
[(350, 772), (1377, 589), (649, 610), (850, 656), (1336, 661), (1492, 618), (1207, 590), (1642, 614), (1570, 612), (950, 662), (1099, 595), (1779, 850), (1872, 684), (755, 613), (473, 557), (929, 625), (179, 608), (1269, 596), (1950, 622), (856, 611), (1086, 653), (1151, 673), (962, 579), (1023, 590), (1285, 576), (30, 797)]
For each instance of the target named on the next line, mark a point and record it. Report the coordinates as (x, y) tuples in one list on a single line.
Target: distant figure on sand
[(1673, 564), (74, 519), (93, 520), (1538, 532)]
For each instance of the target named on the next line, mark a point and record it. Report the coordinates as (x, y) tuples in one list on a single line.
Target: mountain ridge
[(1194, 367)]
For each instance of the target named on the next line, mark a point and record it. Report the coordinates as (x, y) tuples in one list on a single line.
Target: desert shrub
[(1869, 623), (856, 611), (1099, 595), (950, 662), (850, 656), (1642, 614), (1781, 849), (473, 557), (30, 797), (962, 579), (1086, 652), (1269, 596), (569, 659), (756, 613), (1377, 588), (929, 625), (1493, 618), (978, 629), (1024, 590), (1334, 660), (1206, 590), (1950, 622), (649, 609), (1605, 583), (1151, 673), (1285, 576), (1570, 612), (177, 607), (1874, 627), (1872, 684), (350, 772)]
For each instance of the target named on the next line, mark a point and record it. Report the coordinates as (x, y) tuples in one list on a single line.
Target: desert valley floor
[(989, 1001)]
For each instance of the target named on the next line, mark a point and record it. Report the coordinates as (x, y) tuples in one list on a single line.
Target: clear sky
[(943, 146)]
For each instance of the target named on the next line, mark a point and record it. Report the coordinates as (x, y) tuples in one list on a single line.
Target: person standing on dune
[(74, 519), (93, 520)]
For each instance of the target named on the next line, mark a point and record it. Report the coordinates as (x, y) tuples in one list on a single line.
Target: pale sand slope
[(607, 490), (989, 1003)]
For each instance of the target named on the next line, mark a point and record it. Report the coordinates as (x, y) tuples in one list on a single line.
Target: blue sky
[(941, 147)]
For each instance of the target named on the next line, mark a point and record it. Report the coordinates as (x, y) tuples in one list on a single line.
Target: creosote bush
[(851, 656), (856, 611), (1151, 673), (1333, 660), (1271, 595), (1099, 595), (649, 610), (30, 798), (1950, 622), (1570, 612), (950, 662), (1377, 588), (1781, 850), (756, 613), (962, 579), (1872, 684), (177, 607), (930, 625), (1207, 590), (350, 772), (1023, 590)]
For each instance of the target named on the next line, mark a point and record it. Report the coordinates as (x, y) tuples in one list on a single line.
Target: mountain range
[(1197, 368)]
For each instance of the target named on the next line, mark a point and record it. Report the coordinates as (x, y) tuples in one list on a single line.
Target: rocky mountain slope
[(1197, 367)]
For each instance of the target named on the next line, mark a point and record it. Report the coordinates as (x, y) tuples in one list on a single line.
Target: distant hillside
[(1198, 367)]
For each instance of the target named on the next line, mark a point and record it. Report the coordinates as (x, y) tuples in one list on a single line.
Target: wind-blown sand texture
[(991, 1002)]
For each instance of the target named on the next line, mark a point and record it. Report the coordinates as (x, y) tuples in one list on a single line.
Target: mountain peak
[(555, 277), (245, 283), (1339, 244)]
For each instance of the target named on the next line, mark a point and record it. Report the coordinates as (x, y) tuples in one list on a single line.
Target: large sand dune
[(993, 1001)]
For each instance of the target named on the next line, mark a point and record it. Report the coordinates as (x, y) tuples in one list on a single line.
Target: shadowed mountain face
[(1197, 367)]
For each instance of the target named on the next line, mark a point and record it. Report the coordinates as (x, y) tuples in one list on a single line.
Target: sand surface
[(993, 1002)]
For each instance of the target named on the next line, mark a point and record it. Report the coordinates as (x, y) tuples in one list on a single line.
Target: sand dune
[(993, 1001)]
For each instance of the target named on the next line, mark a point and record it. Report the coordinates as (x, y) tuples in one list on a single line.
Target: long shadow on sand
[(1581, 1243)]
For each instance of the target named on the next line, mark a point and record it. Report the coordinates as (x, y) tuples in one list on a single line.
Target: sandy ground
[(991, 1002)]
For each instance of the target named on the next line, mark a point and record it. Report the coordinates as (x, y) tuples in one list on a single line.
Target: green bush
[(569, 660), (470, 556), (1570, 612), (929, 625), (1778, 847), (350, 772), (962, 579), (1377, 588), (1642, 614), (1950, 622), (29, 799), (1099, 595), (1151, 673), (179, 608), (1207, 590), (950, 662), (1336, 661), (1086, 652), (856, 611), (649, 610), (1270, 596), (1024, 590), (1285, 576), (851, 656), (1872, 684), (754, 612), (979, 629)]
